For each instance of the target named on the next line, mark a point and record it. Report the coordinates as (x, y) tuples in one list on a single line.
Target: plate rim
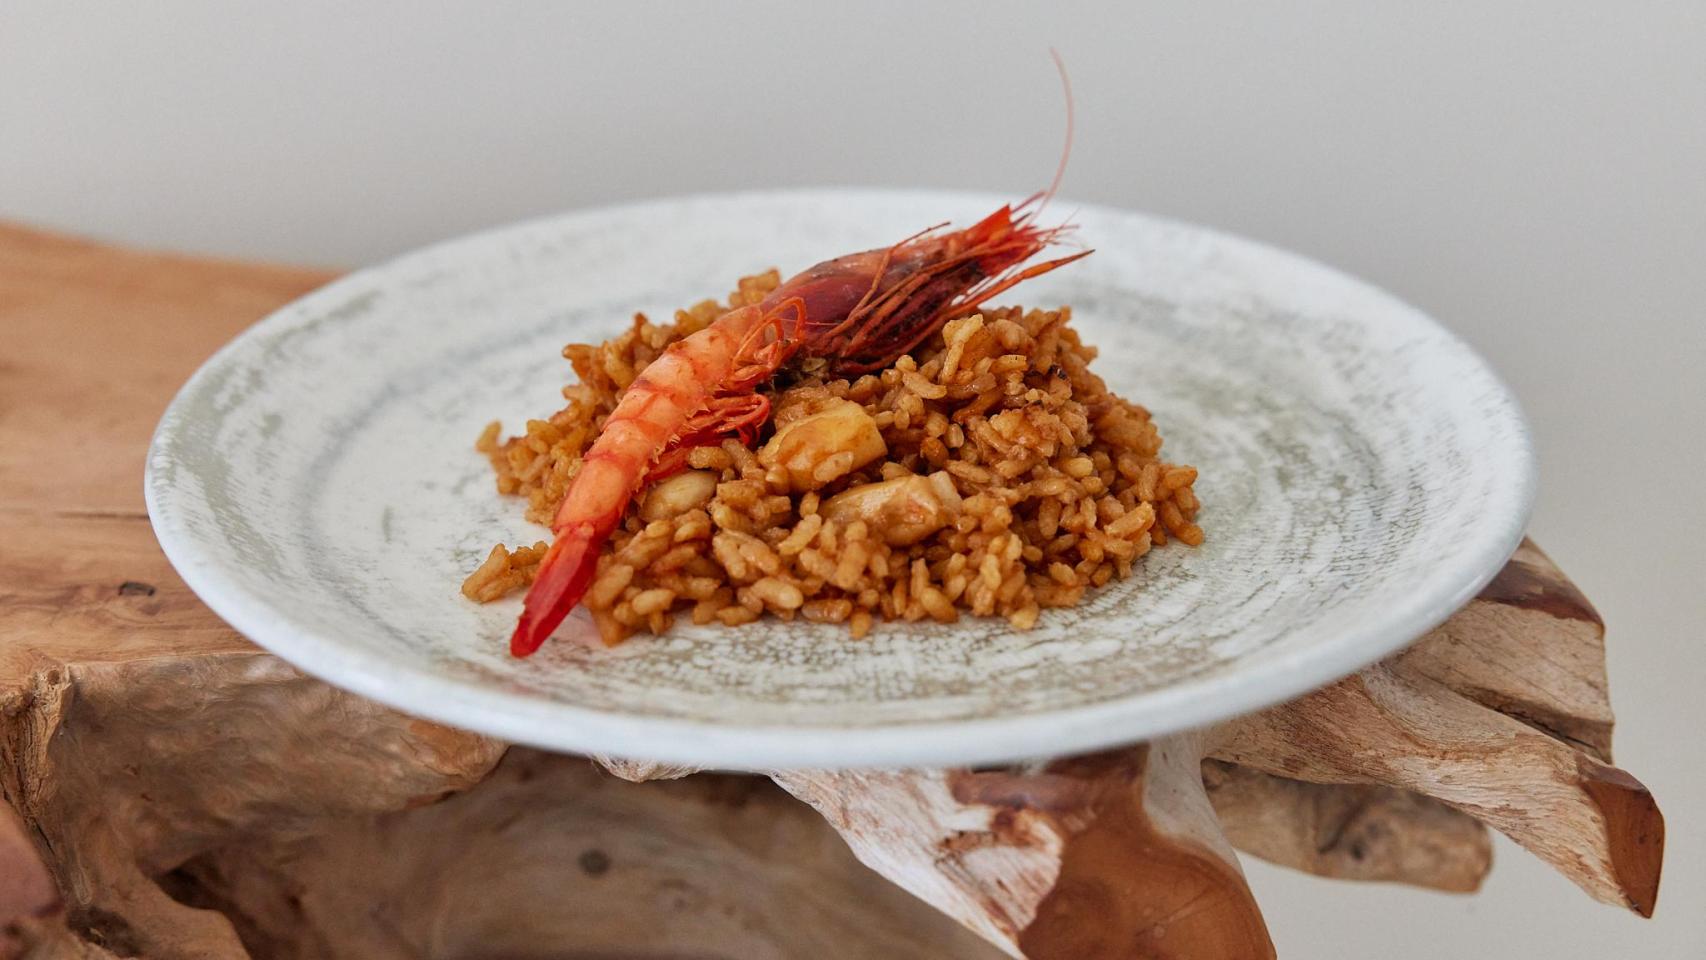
[(526, 719)]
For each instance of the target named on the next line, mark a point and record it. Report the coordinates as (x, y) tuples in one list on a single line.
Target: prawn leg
[(739, 416)]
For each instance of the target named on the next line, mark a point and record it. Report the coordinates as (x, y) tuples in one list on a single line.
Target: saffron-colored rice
[(1060, 487)]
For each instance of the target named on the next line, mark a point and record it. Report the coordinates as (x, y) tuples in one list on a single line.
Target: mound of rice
[(1008, 479)]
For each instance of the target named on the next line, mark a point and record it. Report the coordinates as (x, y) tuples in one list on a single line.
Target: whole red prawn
[(858, 313)]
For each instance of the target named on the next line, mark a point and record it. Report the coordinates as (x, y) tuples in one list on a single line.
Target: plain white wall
[(1532, 173)]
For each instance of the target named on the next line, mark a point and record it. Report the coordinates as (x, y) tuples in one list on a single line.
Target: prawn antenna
[(1066, 148)]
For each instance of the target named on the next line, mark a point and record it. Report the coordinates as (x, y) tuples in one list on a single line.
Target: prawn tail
[(563, 578)]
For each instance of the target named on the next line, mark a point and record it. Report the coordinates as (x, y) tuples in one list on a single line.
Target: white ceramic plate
[(1363, 475)]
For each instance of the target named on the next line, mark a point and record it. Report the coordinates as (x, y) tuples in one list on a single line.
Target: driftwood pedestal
[(172, 792)]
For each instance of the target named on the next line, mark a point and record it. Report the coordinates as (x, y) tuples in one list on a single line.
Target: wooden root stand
[(172, 792)]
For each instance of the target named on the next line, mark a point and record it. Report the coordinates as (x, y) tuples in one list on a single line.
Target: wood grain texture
[(1150, 874), (1392, 726), (1498, 717), (1103, 857), (640, 771), (1348, 831), (550, 858), (27, 890), (1531, 647), (127, 769), (1345, 831), (221, 806), (98, 339)]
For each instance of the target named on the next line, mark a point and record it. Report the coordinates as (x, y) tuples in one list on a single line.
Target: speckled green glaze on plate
[(1363, 473)]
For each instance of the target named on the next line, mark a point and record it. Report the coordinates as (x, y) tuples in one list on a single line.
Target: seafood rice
[(987, 471)]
